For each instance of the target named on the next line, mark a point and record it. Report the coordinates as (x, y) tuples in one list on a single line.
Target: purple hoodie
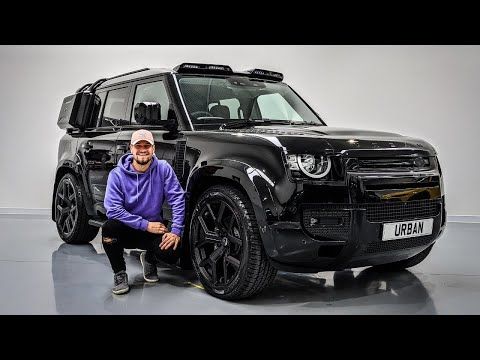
[(136, 198)]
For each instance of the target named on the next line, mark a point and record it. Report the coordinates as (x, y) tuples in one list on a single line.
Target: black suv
[(269, 185)]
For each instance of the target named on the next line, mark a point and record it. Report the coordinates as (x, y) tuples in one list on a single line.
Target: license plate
[(406, 229)]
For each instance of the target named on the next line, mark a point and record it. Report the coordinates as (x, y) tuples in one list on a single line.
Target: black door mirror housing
[(171, 125)]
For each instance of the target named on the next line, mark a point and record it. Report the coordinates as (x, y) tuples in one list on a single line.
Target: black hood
[(300, 139)]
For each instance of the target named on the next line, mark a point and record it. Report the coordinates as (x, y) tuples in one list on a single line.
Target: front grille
[(399, 211), (392, 245), (422, 163), (328, 224)]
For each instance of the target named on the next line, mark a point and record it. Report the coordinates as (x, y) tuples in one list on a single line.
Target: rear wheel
[(226, 249), (70, 214), (403, 264)]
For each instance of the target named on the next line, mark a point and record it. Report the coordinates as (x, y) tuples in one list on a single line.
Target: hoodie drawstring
[(137, 187)]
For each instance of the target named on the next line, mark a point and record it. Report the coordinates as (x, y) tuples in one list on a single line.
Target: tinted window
[(152, 92), (114, 113)]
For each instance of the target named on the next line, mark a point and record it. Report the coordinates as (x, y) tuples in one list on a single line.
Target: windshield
[(215, 101)]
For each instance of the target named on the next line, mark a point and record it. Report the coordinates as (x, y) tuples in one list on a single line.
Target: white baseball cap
[(142, 134)]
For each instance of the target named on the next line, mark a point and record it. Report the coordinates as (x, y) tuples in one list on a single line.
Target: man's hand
[(168, 240), (156, 228)]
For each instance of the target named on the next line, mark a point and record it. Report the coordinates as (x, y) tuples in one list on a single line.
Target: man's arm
[(114, 204), (175, 196)]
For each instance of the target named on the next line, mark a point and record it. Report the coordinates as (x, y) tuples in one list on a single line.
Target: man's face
[(142, 152)]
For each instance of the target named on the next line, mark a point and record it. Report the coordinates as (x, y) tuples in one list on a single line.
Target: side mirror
[(148, 113), (171, 125)]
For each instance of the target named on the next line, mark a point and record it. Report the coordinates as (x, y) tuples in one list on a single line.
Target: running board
[(97, 223)]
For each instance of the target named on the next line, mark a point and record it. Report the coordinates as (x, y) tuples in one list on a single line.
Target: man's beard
[(141, 162)]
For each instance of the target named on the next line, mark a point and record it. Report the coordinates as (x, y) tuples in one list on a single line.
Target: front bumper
[(351, 235)]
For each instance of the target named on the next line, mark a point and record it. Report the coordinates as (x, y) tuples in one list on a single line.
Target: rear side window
[(114, 112), (151, 92)]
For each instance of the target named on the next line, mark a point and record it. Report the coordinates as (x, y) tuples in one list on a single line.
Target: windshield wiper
[(289, 122), (272, 121), (238, 124)]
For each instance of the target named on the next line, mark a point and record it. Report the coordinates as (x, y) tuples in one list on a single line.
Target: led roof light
[(266, 74), (196, 68)]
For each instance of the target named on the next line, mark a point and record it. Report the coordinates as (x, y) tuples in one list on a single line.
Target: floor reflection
[(83, 278), (390, 293)]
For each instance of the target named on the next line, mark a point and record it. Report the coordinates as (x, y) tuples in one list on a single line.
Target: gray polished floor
[(42, 275)]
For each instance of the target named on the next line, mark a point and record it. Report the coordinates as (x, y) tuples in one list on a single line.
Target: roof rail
[(96, 84), (128, 73), (92, 86), (83, 88)]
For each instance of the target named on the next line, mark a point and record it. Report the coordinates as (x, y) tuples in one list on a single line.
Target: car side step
[(98, 223)]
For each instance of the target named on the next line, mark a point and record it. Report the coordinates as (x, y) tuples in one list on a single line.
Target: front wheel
[(403, 264), (70, 214), (226, 248)]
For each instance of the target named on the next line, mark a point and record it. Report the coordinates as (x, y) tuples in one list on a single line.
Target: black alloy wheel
[(226, 249), (70, 214)]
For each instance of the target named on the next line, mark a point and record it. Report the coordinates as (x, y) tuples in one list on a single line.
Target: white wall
[(431, 92)]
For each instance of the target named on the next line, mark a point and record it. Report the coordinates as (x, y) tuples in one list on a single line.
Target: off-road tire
[(254, 272), (70, 214)]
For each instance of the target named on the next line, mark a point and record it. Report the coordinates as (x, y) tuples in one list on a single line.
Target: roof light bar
[(265, 74), (196, 68)]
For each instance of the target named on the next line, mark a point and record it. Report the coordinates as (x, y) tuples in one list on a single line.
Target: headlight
[(314, 166)]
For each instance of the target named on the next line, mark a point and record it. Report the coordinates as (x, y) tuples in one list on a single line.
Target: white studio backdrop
[(430, 92)]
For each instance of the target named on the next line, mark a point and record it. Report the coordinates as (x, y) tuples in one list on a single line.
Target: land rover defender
[(269, 186)]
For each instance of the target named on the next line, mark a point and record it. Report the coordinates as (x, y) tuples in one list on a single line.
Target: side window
[(275, 107), (152, 92), (114, 112), (233, 106)]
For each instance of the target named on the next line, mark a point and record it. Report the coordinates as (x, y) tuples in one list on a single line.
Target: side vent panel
[(179, 160)]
